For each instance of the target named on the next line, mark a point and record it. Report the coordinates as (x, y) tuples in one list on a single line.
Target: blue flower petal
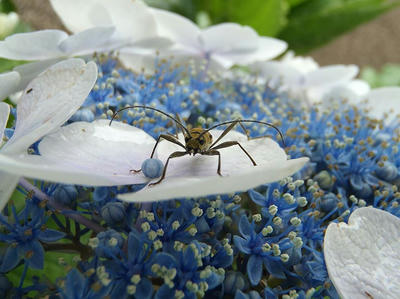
[(50, 235), (144, 289), (10, 259), (134, 246), (36, 261), (241, 244), (75, 284), (257, 197), (275, 268), (244, 226), (165, 292), (254, 269)]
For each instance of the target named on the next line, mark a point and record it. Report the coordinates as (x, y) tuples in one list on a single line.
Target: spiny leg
[(166, 137), (215, 153), (173, 155), (232, 143)]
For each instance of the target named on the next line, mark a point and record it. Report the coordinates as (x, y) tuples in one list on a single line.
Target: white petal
[(227, 37), (87, 154), (383, 100), (302, 64), (30, 71), (269, 70), (8, 84), (4, 113), (37, 45), (89, 41), (8, 182), (50, 100), (331, 75), (178, 187), (177, 28), (132, 19), (192, 176), (363, 257), (138, 62), (267, 48), (354, 92), (76, 15)]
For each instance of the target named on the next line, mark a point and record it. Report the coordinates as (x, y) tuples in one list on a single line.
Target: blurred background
[(362, 32)]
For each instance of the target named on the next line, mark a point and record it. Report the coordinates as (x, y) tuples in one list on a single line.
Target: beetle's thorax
[(198, 142)]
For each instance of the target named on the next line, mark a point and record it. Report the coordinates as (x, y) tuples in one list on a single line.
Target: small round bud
[(152, 168)]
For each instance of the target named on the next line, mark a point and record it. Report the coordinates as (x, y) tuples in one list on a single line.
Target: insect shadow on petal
[(199, 140)]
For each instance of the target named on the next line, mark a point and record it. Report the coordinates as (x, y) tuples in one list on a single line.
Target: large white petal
[(8, 84), (331, 75), (77, 15), (8, 182), (192, 176), (363, 257), (87, 154), (267, 49), (50, 100), (37, 45), (4, 113), (92, 40), (177, 187), (353, 91), (384, 99), (227, 37)]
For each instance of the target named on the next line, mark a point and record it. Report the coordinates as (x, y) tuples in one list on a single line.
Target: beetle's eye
[(201, 141), (187, 138)]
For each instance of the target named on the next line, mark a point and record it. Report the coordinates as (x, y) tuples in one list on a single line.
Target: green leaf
[(267, 17), (316, 22), (6, 6)]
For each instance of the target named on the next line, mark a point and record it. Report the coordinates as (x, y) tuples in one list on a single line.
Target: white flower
[(47, 103), (223, 45), (363, 257), (303, 79), (101, 155)]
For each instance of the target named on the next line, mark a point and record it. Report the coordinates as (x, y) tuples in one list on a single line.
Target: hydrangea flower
[(9, 83), (363, 256), (303, 78), (48, 101)]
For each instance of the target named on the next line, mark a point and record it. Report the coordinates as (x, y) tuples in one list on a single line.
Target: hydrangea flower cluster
[(256, 234), (265, 242)]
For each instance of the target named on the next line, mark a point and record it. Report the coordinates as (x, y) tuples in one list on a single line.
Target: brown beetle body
[(197, 142)]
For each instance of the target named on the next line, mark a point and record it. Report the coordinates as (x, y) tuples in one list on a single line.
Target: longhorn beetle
[(199, 140)]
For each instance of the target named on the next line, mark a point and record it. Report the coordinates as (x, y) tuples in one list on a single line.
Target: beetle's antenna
[(151, 108), (246, 121)]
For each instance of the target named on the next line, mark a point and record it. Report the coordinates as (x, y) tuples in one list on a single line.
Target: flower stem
[(67, 212)]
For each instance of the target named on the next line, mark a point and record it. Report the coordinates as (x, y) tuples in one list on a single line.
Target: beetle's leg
[(215, 153), (232, 143), (226, 131), (173, 155), (166, 137)]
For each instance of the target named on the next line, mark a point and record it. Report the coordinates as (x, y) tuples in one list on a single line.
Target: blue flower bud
[(65, 194), (82, 115), (324, 179), (328, 202), (113, 213), (106, 247), (234, 281), (387, 172), (152, 168)]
